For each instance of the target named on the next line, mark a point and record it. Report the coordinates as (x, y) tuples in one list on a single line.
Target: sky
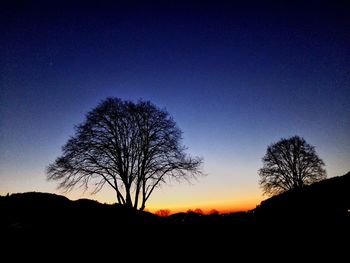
[(236, 77)]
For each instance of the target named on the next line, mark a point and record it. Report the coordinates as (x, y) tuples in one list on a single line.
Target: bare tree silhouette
[(163, 212), (213, 212), (132, 147), (290, 164), (198, 211)]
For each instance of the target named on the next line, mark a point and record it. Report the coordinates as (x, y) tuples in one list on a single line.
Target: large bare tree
[(290, 164), (132, 147)]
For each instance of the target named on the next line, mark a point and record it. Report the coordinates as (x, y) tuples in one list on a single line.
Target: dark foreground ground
[(315, 220)]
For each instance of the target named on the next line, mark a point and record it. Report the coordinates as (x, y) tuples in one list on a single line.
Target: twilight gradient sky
[(235, 77)]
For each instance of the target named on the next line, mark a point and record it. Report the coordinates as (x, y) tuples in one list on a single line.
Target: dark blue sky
[(236, 77)]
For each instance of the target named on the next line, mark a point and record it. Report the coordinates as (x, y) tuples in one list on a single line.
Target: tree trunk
[(119, 198), (137, 193), (143, 204), (142, 207), (128, 201)]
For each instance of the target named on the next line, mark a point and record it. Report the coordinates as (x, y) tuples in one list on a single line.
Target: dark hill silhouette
[(330, 195), (35, 212), (314, 220), (307, 216), (322, 204)]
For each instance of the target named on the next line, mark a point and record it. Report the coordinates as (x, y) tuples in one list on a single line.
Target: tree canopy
[(132, 147), (290, 164)]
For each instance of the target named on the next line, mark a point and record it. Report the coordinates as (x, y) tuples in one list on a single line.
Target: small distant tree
[(213, 212), (290, 164), (132, 147), (198, 211), (163, 212)]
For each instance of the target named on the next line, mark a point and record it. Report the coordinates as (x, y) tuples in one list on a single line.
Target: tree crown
[(290, 164), (132, 147)]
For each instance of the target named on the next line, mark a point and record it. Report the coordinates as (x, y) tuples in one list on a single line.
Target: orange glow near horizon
[(205, 195), (222, 208)]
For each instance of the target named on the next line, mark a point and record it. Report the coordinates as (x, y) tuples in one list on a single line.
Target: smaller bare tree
[(290, 164)]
